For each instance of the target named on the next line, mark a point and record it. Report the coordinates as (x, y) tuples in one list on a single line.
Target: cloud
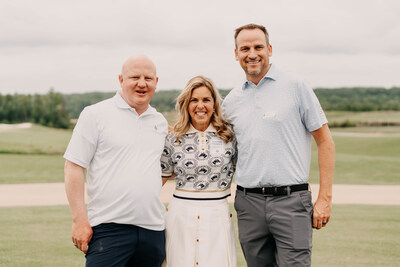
[(80, 45)]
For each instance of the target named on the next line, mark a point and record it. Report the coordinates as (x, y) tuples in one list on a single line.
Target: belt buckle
[(263, 189)]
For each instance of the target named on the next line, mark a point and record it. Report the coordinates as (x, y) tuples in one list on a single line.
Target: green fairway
[(376, 131), (34, 155), (18, 169), (372, 116), (357, 235), (38, 236), (363, 160), (35, 140)]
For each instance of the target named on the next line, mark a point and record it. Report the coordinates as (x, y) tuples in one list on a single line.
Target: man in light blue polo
[(274, 115)]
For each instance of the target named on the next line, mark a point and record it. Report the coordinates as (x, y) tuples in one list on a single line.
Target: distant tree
[(23, 107), (37, 109), (165, 100), (47, 110), (2, 100), (55, 112), (359, 99), (9, 109)]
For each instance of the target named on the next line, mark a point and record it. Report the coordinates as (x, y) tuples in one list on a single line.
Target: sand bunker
[(8, 127)]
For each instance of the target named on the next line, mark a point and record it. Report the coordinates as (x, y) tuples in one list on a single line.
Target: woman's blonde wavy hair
[(217, 119)]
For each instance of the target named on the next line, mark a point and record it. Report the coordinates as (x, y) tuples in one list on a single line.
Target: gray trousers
[(275, 231)]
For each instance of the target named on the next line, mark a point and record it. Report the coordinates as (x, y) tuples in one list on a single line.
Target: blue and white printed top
[(203, 163)]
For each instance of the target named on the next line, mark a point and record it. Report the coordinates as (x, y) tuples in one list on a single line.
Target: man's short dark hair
[(252, 26)]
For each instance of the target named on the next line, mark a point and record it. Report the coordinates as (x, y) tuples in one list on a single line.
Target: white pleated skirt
[(199, 233)]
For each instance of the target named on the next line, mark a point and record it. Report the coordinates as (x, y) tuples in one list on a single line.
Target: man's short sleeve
[(83, 143), (311, 112), (223, 106), (167, 166)]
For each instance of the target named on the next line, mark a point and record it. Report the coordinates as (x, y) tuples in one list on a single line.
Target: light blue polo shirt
[(272, 122)]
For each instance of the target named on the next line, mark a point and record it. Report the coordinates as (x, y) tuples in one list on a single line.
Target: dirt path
[(50, 194)]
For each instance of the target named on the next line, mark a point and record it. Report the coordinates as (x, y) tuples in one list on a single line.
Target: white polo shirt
[(121, 152)]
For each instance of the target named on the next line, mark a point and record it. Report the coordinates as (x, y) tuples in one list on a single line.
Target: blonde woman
[(200, 155)]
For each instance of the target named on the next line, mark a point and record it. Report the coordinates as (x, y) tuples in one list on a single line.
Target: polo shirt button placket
[(139, 124), (138, 121), (202, 140)]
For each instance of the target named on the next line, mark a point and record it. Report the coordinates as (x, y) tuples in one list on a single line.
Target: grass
[(35, 140), (34, 155), (357, 235), (363, 160), (370, 130), (37, 236), (373, 116), (17, 168)]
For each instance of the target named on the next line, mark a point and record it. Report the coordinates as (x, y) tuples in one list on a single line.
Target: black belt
[(270, 191)]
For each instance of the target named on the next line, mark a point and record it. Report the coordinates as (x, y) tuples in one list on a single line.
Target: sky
[(80, 45)]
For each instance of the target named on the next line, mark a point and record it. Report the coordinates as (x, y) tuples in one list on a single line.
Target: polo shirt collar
[(121, 103), (271, 74), (210, 129)]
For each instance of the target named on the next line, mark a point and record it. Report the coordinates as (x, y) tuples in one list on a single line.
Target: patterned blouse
[(202, 162)]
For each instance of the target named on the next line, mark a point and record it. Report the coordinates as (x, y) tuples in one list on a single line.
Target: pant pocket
[(302, 222)]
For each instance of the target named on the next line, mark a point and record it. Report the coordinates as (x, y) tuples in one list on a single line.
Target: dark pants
[(125, 245), (275, 231)]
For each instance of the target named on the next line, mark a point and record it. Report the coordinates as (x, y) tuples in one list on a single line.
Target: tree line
[(341, 99), (48, 110), (55, 109), (359, 99)]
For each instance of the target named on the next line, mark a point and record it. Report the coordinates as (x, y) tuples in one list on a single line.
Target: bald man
[(119, 141)]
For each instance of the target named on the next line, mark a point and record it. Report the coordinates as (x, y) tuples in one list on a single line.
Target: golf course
[(357, 235)]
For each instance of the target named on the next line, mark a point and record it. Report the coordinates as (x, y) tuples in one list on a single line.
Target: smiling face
[(201, 108), (138, 81), (253, 52)]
